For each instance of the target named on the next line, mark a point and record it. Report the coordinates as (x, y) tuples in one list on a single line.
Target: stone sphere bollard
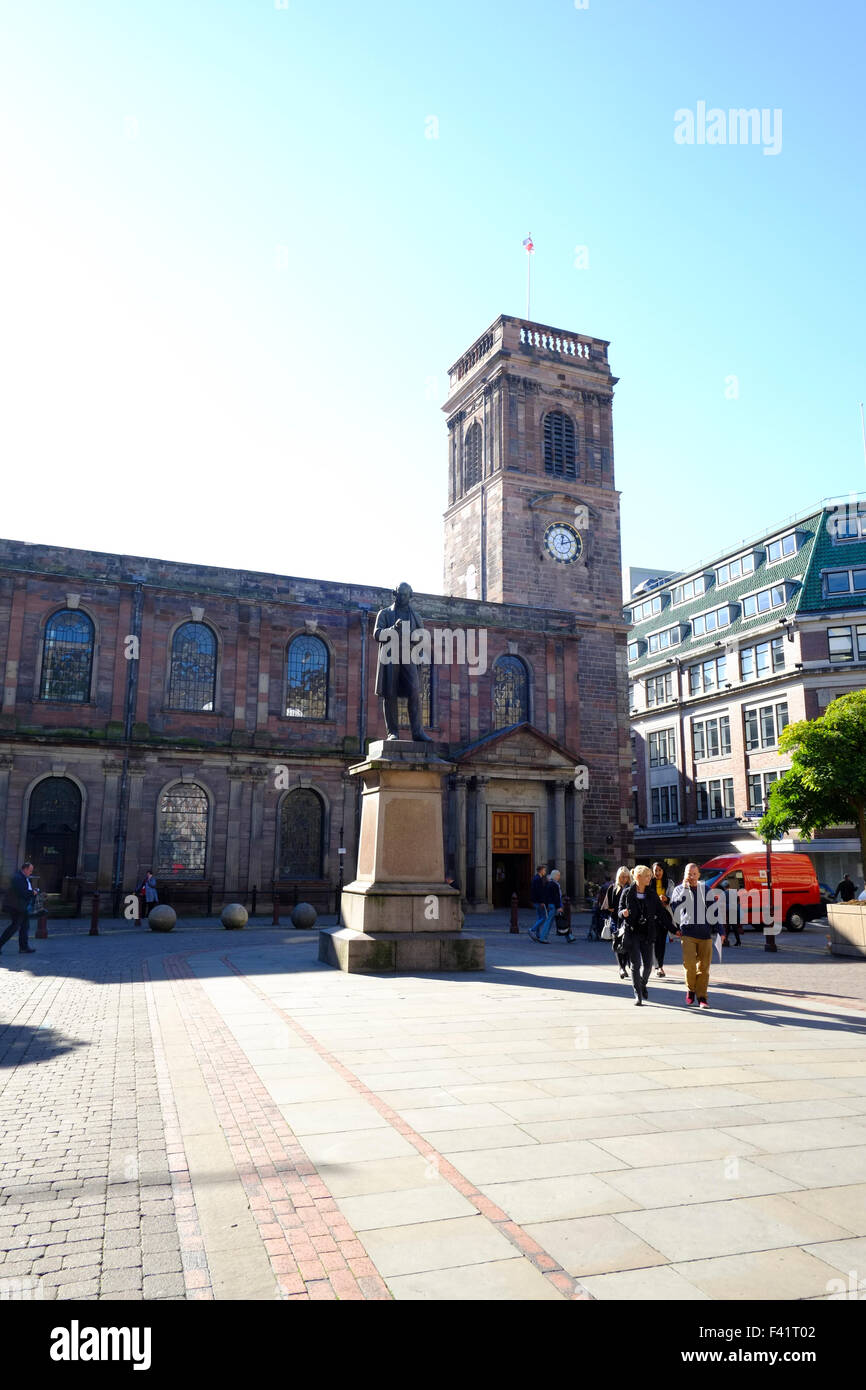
[(234, 916), (161, 918), (304, 916)]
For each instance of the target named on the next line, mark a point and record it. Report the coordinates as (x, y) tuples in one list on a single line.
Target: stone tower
[(533, 513)]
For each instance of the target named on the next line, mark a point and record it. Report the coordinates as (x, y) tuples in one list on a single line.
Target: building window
[(851, 581), (759, 784), (662, 748), (712, 737), (716, 799), (659, 689), (192, 682), (67, 658), (425, 701), (663, 805), (847, 644), (560, 453), (472, 456), (633, 651), (848, 522), (763, 601), (706, 676), (181, 844), (682, 593), (783, 547), (763, 659), (307, 679), (650, 608), (735, 569), (302, 824), (510, 692), (764, 724), (668, 637), (711, 622)]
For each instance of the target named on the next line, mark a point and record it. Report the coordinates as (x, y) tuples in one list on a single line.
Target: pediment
[(522, 744)]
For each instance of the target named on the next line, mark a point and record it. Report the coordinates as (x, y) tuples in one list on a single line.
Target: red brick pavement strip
[(520, 1239), (313, 1250), (196, 1275)]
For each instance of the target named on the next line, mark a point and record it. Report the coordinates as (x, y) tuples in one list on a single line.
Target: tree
[(826, 785)]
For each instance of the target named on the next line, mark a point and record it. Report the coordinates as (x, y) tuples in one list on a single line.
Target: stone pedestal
[(399, 913), (847, 936)]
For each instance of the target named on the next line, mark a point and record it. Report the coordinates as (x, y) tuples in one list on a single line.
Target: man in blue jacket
[(19, 896)]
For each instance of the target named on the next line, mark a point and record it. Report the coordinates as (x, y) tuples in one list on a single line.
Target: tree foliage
[(826, 785)]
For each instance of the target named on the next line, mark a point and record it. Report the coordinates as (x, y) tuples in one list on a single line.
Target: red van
[(793, 874)]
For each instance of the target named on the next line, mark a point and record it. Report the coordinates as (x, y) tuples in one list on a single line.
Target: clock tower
[(533, 513)]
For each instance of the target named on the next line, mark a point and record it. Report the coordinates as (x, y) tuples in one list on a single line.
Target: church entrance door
[(511, 849)]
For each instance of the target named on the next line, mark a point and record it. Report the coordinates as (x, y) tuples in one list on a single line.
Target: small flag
[(527, 242)]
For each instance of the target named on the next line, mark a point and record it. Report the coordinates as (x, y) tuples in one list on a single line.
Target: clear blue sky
[(236, 269)]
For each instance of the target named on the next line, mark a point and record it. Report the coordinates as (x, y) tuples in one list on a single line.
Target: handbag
[(607, 929)]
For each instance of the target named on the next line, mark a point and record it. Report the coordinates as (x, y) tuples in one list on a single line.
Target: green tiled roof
[(829, 554), (764, 577)]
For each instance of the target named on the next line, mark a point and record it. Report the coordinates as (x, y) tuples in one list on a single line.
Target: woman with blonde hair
[(610, 905), (641, 911)]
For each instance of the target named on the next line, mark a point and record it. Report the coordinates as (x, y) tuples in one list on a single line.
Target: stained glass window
[(560, 452), (425, 701), (67, 658), (301, 829), (510, 692), (55, 806), (181, 844), (193, 668), (472, 456), (307, 679)]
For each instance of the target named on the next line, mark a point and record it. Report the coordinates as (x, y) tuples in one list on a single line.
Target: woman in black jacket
[(640, 910), (610, 906)]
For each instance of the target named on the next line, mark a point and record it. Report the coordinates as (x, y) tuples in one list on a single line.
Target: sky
[(241, 242)]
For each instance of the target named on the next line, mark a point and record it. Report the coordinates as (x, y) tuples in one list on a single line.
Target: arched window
[(560, 452), (302, 824), (510, 692), (192, 683), (53, 824), (181, 836), (425, 698), (67, 658), (307, 679), (472, 456)]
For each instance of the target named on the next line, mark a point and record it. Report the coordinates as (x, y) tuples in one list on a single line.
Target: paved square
[(211, 1116)]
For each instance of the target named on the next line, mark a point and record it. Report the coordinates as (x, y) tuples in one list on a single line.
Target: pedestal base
[(357, 953)]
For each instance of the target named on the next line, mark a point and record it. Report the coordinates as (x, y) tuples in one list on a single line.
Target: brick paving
[(427, 1137)]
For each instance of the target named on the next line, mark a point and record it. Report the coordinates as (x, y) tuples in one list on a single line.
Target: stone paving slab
[(204, 1115)]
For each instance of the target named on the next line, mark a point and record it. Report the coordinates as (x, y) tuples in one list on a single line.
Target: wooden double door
[(511, 852)]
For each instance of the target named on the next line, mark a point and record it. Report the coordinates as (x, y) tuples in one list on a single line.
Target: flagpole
[(528, 281)]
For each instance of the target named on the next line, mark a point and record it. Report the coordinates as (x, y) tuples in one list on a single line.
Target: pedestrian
[(610, 912), (846, 891), (689, 904), (536, 897), (663, 887), (147, 891), (642, 914), (594, 933), (19, 897), (553, 898)]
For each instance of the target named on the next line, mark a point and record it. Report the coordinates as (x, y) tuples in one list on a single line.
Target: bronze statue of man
[(397, 674)]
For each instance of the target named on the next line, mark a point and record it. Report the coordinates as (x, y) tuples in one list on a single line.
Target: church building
[(201, 721)]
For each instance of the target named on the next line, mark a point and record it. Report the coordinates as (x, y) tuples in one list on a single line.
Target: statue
[(397, 674)]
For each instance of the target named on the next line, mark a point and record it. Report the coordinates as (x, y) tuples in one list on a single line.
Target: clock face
[(563, 543)]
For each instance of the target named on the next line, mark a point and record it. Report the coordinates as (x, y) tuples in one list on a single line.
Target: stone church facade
[(201, 721)]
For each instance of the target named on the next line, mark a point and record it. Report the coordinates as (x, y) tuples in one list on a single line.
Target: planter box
[(847, 928)]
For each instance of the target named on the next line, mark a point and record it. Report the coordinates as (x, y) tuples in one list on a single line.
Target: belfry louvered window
[(472, 456), (67, 658), (560, 450)]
